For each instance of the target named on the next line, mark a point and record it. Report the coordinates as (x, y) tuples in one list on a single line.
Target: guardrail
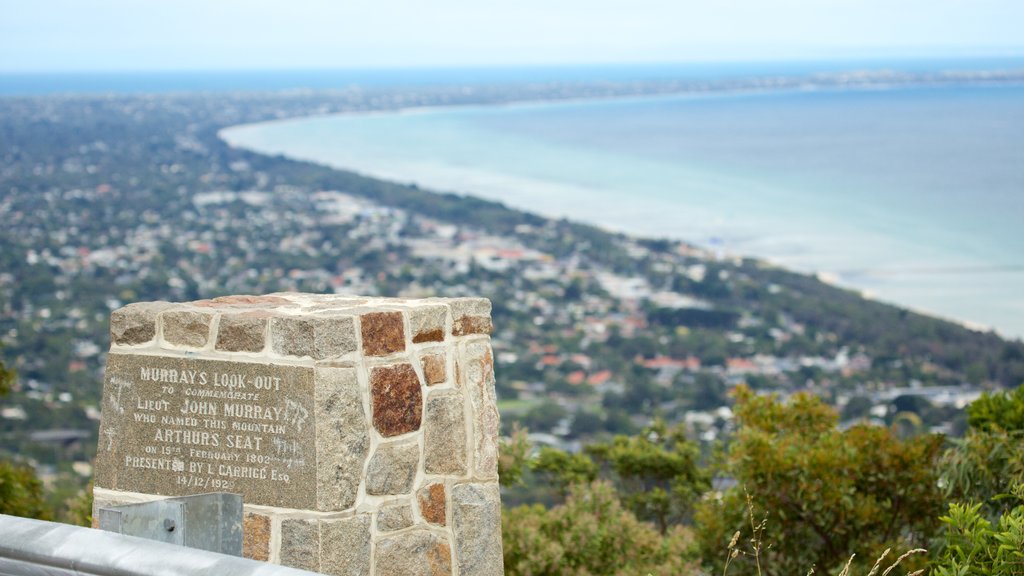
[(38, 548)]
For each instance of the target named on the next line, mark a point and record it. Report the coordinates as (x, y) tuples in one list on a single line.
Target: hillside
[(109, 200)]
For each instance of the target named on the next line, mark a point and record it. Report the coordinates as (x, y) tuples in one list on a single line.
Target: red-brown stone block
[(435, 370), (256, 537), (383, 333), (397, 399), (432, 503)]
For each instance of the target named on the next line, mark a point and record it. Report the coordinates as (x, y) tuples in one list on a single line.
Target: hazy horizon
[(65, 36)]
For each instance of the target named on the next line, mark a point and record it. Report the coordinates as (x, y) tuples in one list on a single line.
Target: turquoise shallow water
[(913, 195)]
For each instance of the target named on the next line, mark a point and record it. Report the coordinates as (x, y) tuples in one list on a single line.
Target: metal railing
[(38, 548)]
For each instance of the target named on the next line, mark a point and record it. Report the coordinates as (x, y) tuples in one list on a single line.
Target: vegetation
[(983, 475), (973, 546), (795, 492), (826, 494), (21, 493), (591, 533)]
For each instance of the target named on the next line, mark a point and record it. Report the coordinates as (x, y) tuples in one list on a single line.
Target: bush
[(591, 534), (21, 493), (824, 494), (974, 547)]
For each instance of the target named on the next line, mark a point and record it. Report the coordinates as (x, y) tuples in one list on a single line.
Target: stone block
[(334, 337), (486, 426), (433, 503), (186, 328), (435, 368), (342, 440), (383, 333), (414, 554), (397, 399), (242, 332), (471, 316), (392, 468), (292, 335), (320, 338), (244, 301), (256, 537), (476, 522), (300, 543), (345, 546), (444, 435), (391, 518), (427, 323), (135, 323)]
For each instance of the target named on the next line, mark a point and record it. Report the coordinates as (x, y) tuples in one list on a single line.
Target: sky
[(135, 35)]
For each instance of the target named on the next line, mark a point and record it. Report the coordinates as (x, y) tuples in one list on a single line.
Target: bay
[(912, 195)]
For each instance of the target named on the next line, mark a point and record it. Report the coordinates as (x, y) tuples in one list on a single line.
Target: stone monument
[(361, 432)]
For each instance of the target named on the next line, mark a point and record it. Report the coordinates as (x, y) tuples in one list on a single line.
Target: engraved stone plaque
[(361, 433), (177, 426)]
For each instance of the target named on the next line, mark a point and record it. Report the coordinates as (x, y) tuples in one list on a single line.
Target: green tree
[(21, 493), (825, 494), (984, 465), (656, 471), (973, 546), (591, 534), (564, 470), (1002, 410), (984, 474)]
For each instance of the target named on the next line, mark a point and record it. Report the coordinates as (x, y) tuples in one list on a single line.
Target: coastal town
[(109, 200)]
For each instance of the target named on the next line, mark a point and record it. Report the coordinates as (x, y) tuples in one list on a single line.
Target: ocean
[(214, 81), (912, 195)]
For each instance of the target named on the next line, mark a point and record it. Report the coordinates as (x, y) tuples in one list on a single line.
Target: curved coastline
[(226, 135)]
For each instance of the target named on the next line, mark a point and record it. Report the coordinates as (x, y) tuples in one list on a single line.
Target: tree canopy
[(824, 494)]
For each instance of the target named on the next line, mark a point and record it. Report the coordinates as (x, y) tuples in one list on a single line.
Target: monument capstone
[(362, 433)]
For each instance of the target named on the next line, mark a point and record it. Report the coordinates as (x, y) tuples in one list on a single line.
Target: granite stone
[(435, 368), (417, 553), (476, 522), (292, 335), (345, 546), (383, 333), (242, 301), (392, 468), (300, 543), (256, 536), (471, 316), (175, 426), (427, 323), (444, 434), (241, 332), (135, 323), (186, 328), (433, 503), (334, 337), (342, 440), (391, 518), (480, 387), (397, 399)]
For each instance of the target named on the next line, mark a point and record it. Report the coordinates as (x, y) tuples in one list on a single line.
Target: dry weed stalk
[(757, 543), (901, 558)]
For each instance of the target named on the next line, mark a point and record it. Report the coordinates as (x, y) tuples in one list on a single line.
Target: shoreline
[(831, 278)]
